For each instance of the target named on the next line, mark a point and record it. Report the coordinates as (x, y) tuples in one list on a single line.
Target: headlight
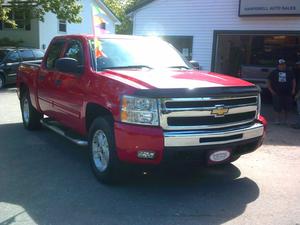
[(138, 110)]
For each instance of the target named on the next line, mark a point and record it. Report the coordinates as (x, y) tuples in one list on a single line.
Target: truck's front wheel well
[(94, 111)]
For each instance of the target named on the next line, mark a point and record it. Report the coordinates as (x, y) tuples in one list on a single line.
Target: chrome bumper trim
[(193, 138)]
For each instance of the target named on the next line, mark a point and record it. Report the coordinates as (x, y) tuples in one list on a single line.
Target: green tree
[(120, 9), (68, 10)]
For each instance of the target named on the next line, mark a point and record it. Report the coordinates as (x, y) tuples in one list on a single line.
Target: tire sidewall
[(108, 174), (33, 122), (25, 97)]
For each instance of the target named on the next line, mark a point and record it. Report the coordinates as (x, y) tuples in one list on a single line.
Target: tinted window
[(13, 57), (54, 53), (39, 54), (74, 50), (26, 55)]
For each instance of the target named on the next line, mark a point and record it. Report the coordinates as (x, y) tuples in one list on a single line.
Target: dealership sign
[(269, 8)]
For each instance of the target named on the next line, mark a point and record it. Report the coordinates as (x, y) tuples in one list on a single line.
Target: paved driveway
[(44, 179)]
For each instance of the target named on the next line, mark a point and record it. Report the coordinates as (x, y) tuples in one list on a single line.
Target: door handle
[(58, 82)]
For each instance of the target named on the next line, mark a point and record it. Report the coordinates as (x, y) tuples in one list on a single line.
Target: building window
[(62, 25), (103, 26), (20, 19)]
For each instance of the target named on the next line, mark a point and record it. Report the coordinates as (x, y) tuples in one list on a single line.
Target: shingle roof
[(112, 12), (139, 4)]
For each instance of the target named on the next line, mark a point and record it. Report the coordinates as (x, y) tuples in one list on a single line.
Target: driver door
[(70, 88), (46, 80)]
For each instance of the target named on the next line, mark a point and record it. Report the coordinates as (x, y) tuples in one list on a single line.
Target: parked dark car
[(10, 59)]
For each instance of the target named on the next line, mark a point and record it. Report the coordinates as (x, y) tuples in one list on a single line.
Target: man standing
[(282, 85), (297, 97)]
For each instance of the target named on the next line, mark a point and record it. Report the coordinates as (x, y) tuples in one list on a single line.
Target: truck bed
[(256, 74)]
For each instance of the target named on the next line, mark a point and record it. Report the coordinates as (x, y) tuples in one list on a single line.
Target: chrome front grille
[(207, 113)]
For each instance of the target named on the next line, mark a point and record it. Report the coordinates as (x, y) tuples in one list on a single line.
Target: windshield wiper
[(127, 67), (179, 67)]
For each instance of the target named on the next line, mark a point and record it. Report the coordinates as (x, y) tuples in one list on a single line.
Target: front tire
[(31, 117), (102, 153)]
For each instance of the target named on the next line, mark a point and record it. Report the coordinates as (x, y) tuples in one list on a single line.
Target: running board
[(63, 131)]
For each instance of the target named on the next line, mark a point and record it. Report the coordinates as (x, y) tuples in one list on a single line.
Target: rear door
[(46, 79), (12, 63), (70, 88), (27, 55)]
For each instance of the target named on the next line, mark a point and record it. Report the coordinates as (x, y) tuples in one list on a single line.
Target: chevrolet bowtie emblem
[(220, 111)]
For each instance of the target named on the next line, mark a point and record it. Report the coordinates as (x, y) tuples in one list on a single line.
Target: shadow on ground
[(280, 135), (51, 180)]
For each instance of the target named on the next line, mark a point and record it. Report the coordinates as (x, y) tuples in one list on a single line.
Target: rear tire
[(102, 152), (31, 117), (2, 81)]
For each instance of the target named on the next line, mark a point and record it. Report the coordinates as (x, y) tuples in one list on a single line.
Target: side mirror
[(195, 65), (68, 65)]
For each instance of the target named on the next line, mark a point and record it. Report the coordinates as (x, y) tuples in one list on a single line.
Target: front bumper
[(200, 154), (206, 138), (196, 145)]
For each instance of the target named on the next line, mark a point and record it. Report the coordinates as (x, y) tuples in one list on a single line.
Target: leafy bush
[(8, 42)]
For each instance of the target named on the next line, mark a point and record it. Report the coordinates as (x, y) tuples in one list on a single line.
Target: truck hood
[(173, 79)]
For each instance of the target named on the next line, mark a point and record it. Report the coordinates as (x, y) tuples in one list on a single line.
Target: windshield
[(136, 53), (3, 53)]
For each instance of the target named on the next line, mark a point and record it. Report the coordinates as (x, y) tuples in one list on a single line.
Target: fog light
[(219, 156), (146, 155)]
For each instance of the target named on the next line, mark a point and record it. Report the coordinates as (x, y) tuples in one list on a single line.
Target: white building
[(38, 34), (222, 35)]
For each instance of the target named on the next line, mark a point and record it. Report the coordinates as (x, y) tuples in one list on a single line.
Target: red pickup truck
[(137, 100)]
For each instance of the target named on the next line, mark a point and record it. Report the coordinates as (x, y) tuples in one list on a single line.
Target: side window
[(103, 26), (75, 51), (62, 25), (54, 53), (13, 57), (39, 54), (27, 55)]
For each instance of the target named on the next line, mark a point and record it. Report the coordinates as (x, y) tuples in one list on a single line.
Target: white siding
[(49, 28), (30, 38), (200, 19)]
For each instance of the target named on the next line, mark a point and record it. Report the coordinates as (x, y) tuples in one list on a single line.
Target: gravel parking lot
[(44, 179)]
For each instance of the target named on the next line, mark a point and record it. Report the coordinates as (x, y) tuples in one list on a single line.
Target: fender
[(30, 81)]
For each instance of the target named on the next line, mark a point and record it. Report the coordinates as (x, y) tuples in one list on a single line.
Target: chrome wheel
[(26, 110), (100, 150)]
